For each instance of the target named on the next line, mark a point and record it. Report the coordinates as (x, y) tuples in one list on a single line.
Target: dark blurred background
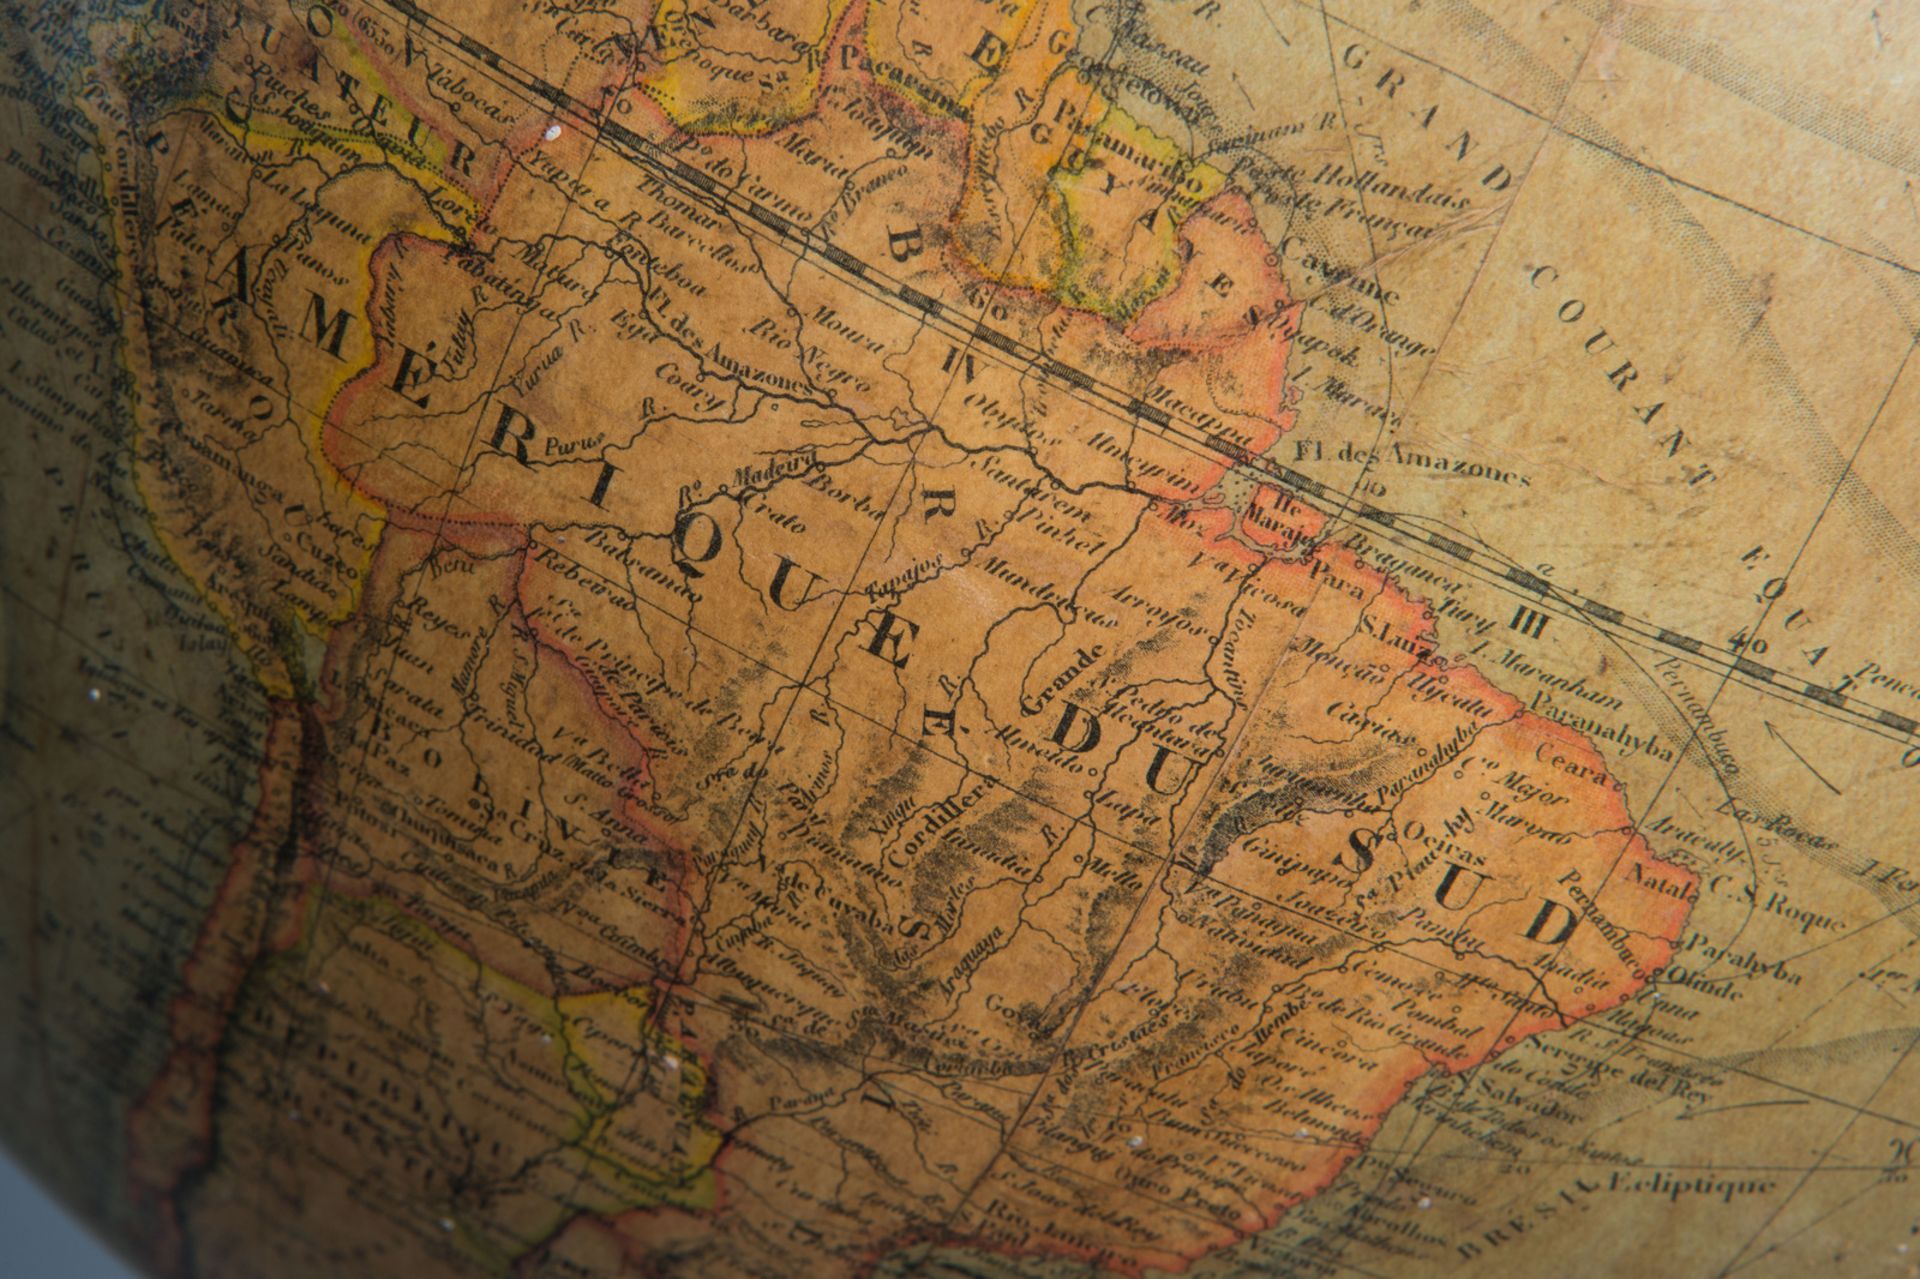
[(38, 1240)]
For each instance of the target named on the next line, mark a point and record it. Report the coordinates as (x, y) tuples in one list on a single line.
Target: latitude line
[(1563, 602)]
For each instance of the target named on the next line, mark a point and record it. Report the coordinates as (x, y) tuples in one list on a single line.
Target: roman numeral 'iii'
[(1528, 621)]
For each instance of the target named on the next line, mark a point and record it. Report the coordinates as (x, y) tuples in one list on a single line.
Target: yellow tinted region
[(1122, 211), (633, 1136), (614, 1048), (281, 630), (943, 54)]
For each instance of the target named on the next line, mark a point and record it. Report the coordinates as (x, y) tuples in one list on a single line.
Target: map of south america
[(962, 639), (803, 714)]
